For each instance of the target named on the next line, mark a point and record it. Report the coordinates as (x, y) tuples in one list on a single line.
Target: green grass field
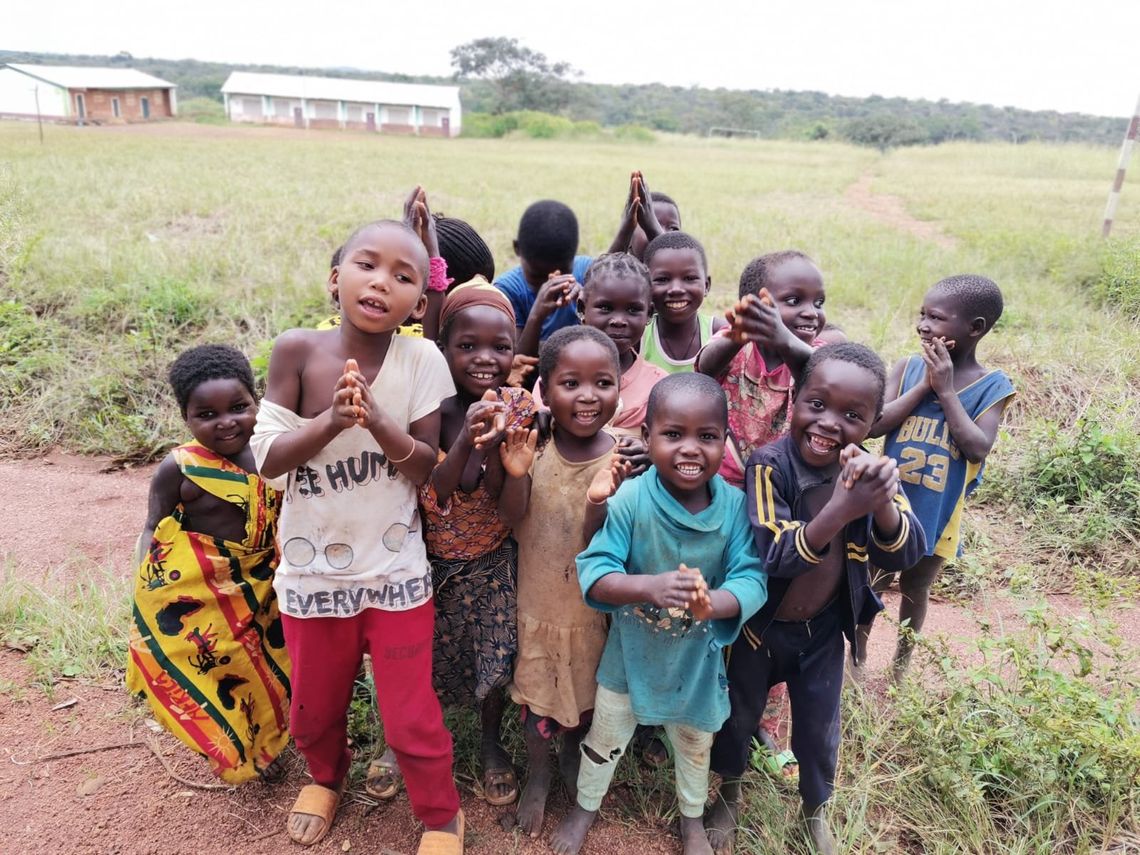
[(120, 247)]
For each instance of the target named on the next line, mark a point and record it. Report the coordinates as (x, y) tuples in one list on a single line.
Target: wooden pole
[(1121, 166), (39, 116)]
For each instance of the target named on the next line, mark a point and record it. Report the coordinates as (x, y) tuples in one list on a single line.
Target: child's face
[(678, 283), (669, 218), (479, 348), (835, 407), (220, 414), (536, 271), (939, 317), (796, 286), (583, 389), (379, 281), (686, 441), (619, 307)]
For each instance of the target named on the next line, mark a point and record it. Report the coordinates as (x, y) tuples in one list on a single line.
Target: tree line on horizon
[(499, 75)]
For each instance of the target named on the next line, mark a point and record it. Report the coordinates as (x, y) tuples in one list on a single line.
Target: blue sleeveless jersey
[(938, 477)]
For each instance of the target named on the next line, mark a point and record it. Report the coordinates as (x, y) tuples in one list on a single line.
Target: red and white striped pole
[(1118, 182)]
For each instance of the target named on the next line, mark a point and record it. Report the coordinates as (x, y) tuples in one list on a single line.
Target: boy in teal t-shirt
[(676, 566)]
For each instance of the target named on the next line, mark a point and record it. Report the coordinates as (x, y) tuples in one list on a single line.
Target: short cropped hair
[(384, 224), (619, 264), (688, 385), (757, 273), (548, 232), (854, 353), (976, 296), (655, 196), (676, 240), (466, 253), (552, 348), (207, 362)]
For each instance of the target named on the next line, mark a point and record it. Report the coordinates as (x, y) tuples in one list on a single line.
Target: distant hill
[(769, 113)]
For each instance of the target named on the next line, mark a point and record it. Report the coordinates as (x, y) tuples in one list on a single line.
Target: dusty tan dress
[(560, 637)]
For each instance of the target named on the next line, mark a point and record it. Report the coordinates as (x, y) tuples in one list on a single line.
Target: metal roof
[(91, 77), (341, 89)]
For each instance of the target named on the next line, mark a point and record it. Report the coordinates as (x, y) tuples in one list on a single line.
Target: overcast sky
[(1049, 54)]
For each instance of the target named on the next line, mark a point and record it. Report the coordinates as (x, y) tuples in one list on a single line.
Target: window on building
[(399, 116), (115, 108)]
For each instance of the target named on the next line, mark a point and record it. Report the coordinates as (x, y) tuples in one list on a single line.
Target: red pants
[(326, 654)]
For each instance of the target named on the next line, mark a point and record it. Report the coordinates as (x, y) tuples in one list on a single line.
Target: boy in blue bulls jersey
[(941, 419)]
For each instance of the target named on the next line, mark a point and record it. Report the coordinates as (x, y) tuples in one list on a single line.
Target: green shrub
[(587, 129), (484, 125), (1039, 744), (634, 133), (1118, 282), (543, 126), (1087, 463), (204, 111)]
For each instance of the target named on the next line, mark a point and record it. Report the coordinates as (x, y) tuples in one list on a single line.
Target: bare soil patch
[(891, 211)]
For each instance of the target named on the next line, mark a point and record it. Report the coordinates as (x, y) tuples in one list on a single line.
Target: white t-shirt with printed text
[(349, 529)]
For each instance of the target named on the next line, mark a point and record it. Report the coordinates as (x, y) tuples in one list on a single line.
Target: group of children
[(580, 490)]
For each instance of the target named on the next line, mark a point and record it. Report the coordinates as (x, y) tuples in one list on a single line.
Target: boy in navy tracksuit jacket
[(821, 508)]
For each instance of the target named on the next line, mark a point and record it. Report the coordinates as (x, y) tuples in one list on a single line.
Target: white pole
[(1121, 166)]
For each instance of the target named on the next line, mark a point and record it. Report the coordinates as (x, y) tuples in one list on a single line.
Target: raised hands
[(606, 481), (418, 216), (633, 450), (348, 407), (517, 451), (521, 366), (486, 420), (939, 366), (560, 289), (866, 482), (756, 318)]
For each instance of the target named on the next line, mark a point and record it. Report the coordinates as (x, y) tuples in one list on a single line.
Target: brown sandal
[(443, 842), (380, 770), (495, 778), (318, 801)]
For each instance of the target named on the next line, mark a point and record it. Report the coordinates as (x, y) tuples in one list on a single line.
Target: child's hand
[(676, 590), (364, 404), (865, 482), (646, 218), (755, 318), (939, 367), (701, 606), (521, 366), (517, 451), (486, 420), (557, 291), (418, 216), (345, 412), (606, 481), (635, 452)]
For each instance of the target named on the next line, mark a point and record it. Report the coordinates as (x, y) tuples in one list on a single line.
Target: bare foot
[(305, 828), (532, 804), (721, 824), (693, 837), (571, 832)]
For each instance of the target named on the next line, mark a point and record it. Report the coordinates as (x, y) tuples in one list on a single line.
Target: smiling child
[(676, 568), (544, 500), (820, 507), (209, 657)]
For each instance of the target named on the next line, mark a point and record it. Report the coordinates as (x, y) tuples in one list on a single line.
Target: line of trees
[(499, 75)]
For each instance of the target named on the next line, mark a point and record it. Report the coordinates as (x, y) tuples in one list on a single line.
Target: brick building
[(82, 95), (332, 102)]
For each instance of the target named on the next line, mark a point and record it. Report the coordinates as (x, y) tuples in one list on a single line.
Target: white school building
[(333, 102)]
